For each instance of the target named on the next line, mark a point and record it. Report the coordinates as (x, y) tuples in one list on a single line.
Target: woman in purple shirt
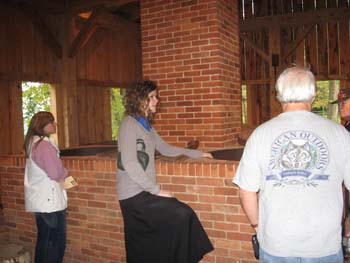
[(44, 195)]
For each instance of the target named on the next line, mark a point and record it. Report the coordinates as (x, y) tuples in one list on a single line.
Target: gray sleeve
[(127, 147), (169, 150)]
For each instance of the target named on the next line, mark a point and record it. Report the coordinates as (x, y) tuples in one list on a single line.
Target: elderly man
[(296, 164), (344, 106)]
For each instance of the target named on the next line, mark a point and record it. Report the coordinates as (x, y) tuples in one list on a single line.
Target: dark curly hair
[(136, 99)]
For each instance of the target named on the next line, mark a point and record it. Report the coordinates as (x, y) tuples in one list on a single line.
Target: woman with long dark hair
[(44, 195), (158, 228)]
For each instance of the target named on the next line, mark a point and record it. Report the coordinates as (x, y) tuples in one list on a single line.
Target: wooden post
[(66, 92)]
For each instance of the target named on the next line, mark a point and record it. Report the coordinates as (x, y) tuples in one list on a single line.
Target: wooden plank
[(242, 58), (83, 117), (258, 59), (261, 8), (311, 49), (107, 127), (274, 48), (4, 119), (254, 58), (94, 42), (249, 59), (299, 42), (16, 137), (248, 12), (286, 37), (255, 47), (253, 108), (255, 81), (331, 3), (343, 3), (44, 31), (322, 65), (309, 5), (300, 48), (295, 19), (333, 43), (344, 46), (265, 45), (320, 4)]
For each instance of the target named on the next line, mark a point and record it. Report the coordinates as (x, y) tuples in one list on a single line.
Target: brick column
[(191, 49)]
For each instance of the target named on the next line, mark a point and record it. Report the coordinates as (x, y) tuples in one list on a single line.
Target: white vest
[(42, 194)]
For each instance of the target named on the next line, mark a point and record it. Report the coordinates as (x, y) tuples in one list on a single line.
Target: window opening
[(326, 92), (117, 109), (35, 97)]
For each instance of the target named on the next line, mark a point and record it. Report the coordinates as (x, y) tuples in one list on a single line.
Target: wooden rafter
[(295, 19), (264, 55), (296, 43), (84, 34), (44, 31)]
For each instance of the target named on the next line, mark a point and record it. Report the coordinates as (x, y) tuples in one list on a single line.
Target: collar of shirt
[(144, 122)]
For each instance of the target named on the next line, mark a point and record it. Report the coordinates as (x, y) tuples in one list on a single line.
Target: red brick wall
[(95, 225), (191, 49)]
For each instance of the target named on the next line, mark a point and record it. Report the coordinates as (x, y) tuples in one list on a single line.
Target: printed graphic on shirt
[(298, 158), (142, 156)]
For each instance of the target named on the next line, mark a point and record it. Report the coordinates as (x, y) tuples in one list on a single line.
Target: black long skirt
[(162, 230)]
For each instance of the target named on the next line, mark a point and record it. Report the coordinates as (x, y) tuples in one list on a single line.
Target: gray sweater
[(136, 164)]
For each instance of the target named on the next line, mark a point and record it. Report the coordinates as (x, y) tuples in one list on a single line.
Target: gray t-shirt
[(298, 161), (136, 164)]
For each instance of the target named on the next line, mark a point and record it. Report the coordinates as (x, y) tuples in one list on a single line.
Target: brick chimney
[(191, 49)]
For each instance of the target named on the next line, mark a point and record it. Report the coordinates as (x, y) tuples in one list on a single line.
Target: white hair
[(296, 84)]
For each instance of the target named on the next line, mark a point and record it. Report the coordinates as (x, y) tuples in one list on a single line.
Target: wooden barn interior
[(200, 53)]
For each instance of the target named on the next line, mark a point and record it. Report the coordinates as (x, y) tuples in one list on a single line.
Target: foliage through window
[(117, 109), (35, 97)]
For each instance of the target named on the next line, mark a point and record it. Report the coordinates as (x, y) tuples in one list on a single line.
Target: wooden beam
[(295, 19), (78, 6), (255, 81), (98, 83), (44, 31), (296, 43), (84, 34), (255, 47), (9, 76)]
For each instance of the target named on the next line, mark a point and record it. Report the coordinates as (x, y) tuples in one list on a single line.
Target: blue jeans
[(267, 258), (51, 239)]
